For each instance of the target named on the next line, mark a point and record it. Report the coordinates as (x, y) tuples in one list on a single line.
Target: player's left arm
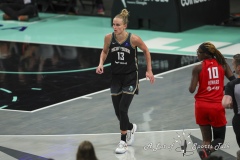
[(137, 42)]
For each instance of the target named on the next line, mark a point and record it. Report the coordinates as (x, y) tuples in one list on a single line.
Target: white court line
[(10, 110), (143, 79), (87, 96), (103, 134), (170, 71), (190, 65), (82, 97)]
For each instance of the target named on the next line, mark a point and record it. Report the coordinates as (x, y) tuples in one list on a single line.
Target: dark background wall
[(234, 17), (234, 6), (234, 9)]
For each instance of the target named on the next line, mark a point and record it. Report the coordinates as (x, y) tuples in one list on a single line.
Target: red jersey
[(211, 82)]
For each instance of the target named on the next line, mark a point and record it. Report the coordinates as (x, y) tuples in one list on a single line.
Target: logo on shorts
[(131, 88)]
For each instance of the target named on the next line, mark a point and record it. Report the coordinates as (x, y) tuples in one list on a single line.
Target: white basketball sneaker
[(130, 135), (121, 148), (128, 155)]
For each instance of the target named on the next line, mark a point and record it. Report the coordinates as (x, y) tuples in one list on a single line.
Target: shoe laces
[(122, 144), (129, 134)]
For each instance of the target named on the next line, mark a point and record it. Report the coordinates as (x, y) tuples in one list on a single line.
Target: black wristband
[(231, 78)]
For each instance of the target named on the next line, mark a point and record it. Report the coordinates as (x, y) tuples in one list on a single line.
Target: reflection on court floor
[(39, 75)]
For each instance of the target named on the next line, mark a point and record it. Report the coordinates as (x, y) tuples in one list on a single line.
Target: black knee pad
[(219, 132), (218, 137)]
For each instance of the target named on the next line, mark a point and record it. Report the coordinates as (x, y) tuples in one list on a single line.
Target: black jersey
[(233, 89), (123, 56)]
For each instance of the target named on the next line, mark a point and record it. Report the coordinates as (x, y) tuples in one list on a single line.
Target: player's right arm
[(104, 53), (194, 81)]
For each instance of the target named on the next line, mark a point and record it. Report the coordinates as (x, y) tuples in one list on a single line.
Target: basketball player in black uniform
[(231, 99), (123, 49)]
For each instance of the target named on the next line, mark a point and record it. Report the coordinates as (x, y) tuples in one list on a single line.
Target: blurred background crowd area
[(93, 8), (75, 7), (89, 7)]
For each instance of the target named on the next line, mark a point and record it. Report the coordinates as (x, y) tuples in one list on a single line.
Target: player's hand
[(99, 69), (150, 76), (230, 106)]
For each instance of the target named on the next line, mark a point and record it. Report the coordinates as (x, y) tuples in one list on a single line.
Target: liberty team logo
[(130, 88)]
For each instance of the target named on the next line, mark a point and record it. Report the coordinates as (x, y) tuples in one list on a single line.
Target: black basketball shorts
[(125, 83)]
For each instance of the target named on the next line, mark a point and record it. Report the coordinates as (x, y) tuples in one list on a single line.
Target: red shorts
[(208, 113)]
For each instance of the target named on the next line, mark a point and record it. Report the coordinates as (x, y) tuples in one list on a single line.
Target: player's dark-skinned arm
[(194, 81), (228, 73)]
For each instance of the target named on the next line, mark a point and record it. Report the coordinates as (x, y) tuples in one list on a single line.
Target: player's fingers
[(99, 70), (152, 79)]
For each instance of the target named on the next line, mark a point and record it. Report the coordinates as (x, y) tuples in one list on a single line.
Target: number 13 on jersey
[(120, 56)]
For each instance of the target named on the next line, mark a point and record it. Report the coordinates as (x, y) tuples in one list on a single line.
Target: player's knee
[(123, 112)]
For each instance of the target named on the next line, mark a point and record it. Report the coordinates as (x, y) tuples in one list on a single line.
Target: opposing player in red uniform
[(209, 112)]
